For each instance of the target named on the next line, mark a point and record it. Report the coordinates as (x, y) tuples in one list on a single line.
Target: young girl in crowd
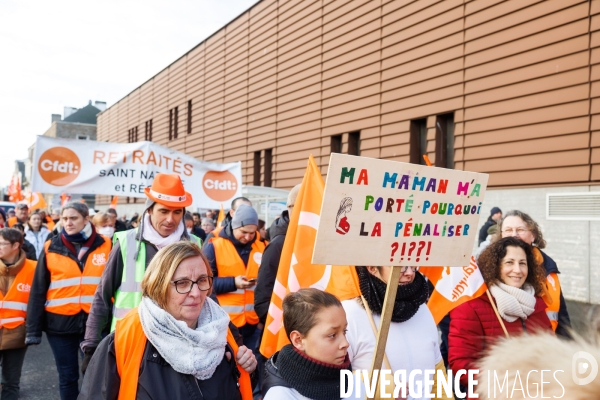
[(309, 367)]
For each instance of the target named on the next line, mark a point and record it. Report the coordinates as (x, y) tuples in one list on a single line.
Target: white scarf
[(514, 303), (195, 352), (152, 236)]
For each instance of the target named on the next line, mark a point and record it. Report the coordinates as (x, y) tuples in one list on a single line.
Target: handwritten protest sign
[(379, 212), (125, 169)]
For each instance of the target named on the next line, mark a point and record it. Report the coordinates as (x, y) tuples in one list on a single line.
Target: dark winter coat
[(38, 319), (268, 266), (474, 326), (483, 232), (157, 379), (226, 284), (564, 321)]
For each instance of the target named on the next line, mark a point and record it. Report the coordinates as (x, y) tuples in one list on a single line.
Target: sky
[(67, 52)]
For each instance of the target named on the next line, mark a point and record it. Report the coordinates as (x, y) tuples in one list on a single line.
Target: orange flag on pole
[(14, 189), (453, 286), (221, 216), (113, 202), (35, 200), (295, 268)]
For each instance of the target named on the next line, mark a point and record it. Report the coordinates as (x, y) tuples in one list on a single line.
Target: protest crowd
[(175, 305)]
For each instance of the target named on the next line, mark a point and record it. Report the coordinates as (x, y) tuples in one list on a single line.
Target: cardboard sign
[(125, 169), (378, 212)]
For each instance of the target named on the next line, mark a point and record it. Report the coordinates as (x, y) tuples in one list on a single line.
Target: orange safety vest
[(239, 304), (13, 306), (50, 223), (552, 299), (130, 344), (72, 290)]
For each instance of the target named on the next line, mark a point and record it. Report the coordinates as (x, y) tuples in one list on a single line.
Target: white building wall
[(574, 245)]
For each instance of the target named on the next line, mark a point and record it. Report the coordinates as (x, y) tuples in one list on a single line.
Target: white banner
[(379, 212), (125, 169)]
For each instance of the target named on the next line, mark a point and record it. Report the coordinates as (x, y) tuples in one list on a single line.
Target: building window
[(268, 167), (148, 131), (132, 135), (257, 168), (173, 119), (336, 144), (418, 141), (83, 137), (189, 117), (354, 143), (444, 141)]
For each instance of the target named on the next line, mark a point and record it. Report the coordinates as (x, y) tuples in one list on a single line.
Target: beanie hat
[(244, 215), (291, 200), (495, 210)]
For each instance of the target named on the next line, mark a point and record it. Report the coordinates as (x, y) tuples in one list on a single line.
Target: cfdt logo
[(219, 185), (59, 166)]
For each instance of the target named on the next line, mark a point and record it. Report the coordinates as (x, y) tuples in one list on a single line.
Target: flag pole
[(374, 328), (384, 326)]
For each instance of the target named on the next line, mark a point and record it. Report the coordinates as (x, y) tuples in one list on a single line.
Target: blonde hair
[(101, 218), (159, 273)]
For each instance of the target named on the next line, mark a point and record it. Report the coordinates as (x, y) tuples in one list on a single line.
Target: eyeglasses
[(184, 286), (510, 231), (406, 267)]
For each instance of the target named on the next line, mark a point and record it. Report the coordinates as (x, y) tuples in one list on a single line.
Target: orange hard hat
[(167, 189)]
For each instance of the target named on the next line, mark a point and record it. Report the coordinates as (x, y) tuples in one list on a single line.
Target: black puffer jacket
[(268, 266), (38, 319), (157, 379)]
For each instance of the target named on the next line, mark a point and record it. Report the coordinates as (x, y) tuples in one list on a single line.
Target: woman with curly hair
[(515, 282), (520, 225)]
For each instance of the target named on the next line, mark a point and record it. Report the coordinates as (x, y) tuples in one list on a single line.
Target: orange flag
[(14, 189), (453, 286), (113, 202), (35, 200), (221, 216), (64, 199), (295, 268)]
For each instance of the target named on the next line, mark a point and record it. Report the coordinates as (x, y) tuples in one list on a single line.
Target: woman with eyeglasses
[(412, 342), (176, 344), (520, 225), (515, 282)]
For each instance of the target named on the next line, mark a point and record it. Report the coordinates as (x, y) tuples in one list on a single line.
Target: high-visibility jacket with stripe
[(13, 306), (72, 290), (130, 344), (129, 293), (553, 303), (239, 304)]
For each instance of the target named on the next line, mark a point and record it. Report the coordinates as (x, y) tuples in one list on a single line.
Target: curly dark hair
[(491, 258)]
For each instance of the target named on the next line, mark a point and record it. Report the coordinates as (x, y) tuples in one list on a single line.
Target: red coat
[(474, 327)]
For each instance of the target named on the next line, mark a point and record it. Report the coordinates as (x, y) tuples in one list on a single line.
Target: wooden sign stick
[(386, 319)]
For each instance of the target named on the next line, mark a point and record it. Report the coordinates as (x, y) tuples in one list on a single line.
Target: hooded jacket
[(269, 265)]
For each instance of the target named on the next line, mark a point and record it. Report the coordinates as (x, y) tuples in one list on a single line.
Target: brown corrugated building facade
[(510, 88)]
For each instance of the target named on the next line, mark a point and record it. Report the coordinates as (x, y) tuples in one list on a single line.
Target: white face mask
[(189, 230), (107, 231)]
